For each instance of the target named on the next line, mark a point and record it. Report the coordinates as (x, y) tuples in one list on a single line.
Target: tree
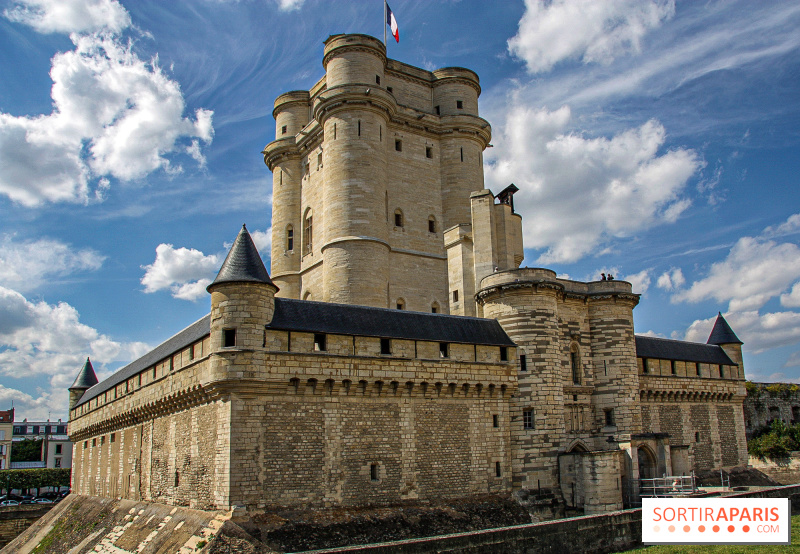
[(28, 450)]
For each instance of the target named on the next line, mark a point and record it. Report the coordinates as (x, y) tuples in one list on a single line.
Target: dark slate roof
[(191, 334), (344, 319), (722, 333), (86, 378), (666, 349), (243, 263)]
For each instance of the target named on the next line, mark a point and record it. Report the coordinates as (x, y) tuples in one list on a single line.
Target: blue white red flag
[(392, 23)]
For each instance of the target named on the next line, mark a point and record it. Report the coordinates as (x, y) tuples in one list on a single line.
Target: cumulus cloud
[(70, 16), (640, 282), (754, 271), (290, 5), (25, 265), (263, 241), (595, 31), (578, 192), (114, 114), (50, 343), (759, 332), (186, 272), (671, 279)]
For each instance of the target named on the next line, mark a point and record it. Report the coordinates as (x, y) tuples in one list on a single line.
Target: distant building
[(56, 446), (6, 428)]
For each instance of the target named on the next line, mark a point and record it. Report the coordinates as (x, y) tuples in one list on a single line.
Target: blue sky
[(655, 140)]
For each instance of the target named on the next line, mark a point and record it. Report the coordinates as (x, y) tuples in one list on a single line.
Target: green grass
[(732, 548)]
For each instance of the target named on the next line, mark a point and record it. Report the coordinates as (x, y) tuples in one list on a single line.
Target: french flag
[(392, 23)]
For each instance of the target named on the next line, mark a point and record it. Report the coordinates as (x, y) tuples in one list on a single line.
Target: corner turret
[(85, 380), (242, 298), (723, 336)]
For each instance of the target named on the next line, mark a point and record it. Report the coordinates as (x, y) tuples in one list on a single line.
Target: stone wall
[(15, 519), (769, 401), (786, 472)]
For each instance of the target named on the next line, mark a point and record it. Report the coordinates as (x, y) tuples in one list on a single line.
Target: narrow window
[(359, 127), (377, 79), (283, 130), (334, 131), (497, 471), (191, 353), (673, 367), (154, 373), (696, 436), (85, 444), (386, 346), (58, 449), (373, 472), (574, 361), (319, 342), (308, 232), (58, 462), (428, 152), (435, 308), (113, 437), (523, 363), (390, 89), (319, 160), (289, 238), (398, 145), (102, 440), (462, 153), (431, 224), (645, 366), (609, 413), (459, 104), (721, 372), (455, 296), (229, 337), (503, 354), (172, 363), (697, 368), (401, 304), (436, 109), (527, 418), (495, 421), (177, 478), (444, 350), (398, 218), (380, 132)]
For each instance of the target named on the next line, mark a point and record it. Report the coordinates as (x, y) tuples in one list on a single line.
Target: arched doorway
[(647, 463)]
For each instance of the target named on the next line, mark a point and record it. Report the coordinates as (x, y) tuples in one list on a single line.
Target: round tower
[(242, 299), (354, 111), (291, 114), (723, 336), (85, 380), (455, 100)]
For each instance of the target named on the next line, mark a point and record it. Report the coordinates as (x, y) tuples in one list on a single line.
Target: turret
[(723, 336), (242, 298), (85, 380)]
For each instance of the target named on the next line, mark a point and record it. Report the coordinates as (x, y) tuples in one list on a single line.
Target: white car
[(9, 503)]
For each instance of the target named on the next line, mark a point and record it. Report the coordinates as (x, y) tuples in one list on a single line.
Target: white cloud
[(70, 16), (578, 192), (790, 226), (671, 279), (114, 115), (754, 271), (592, 30), (758, 332), (184, 271), (25, 265), (290, 5), (640, 282), (263, 241), (792, 298), (793, 361)]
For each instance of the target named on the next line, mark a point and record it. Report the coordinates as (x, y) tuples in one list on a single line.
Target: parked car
[(42, 501), (9, 503)]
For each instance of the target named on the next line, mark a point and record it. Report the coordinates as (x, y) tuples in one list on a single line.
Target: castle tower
[(370, 167), (723, 336), (242, 299), (85, 380)]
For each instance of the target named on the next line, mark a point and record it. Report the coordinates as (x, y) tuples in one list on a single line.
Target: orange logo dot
[(671, 528), (656, 529), (702, 528), (746, 528), (731, 528), (715, 528), (686, 528)]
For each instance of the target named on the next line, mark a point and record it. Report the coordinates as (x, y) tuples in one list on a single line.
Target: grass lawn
[(731, 548)]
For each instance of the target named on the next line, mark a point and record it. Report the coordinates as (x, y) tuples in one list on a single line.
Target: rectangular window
[(390, 89), (386, 346), (191, 352), (373, 472), (696, 436), (2, 435), (85, 444), (462, 153), (113, 437), (645, 366), (527, 419), (290, 239), (359, 127), (674, 367), (398, 145), (495, 421), (523, 363), (58, 462), (377, 79), (319, 160), (102, 440), (309, 233), (503, 354), (319, 342), (497, 471), (398, 220), (94, 442), (609, 413), (436, 109), (431, 225), (229, 337), (697, 368), (283, 130), (58, 449), (444, 350), (459, 104), (455, 296), (721, 372), (428, 152)]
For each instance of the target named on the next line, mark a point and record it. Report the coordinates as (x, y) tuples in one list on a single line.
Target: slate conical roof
[(722, 333), (86, 378), (243, 263)]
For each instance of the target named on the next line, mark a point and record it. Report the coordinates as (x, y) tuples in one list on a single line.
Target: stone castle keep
[(396, 351)]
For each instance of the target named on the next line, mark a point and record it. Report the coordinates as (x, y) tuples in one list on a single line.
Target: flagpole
[(384, 24)]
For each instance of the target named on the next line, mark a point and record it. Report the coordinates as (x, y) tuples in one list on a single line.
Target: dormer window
[(319, 342)]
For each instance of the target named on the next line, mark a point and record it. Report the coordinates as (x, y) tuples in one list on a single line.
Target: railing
[(674, 485)]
